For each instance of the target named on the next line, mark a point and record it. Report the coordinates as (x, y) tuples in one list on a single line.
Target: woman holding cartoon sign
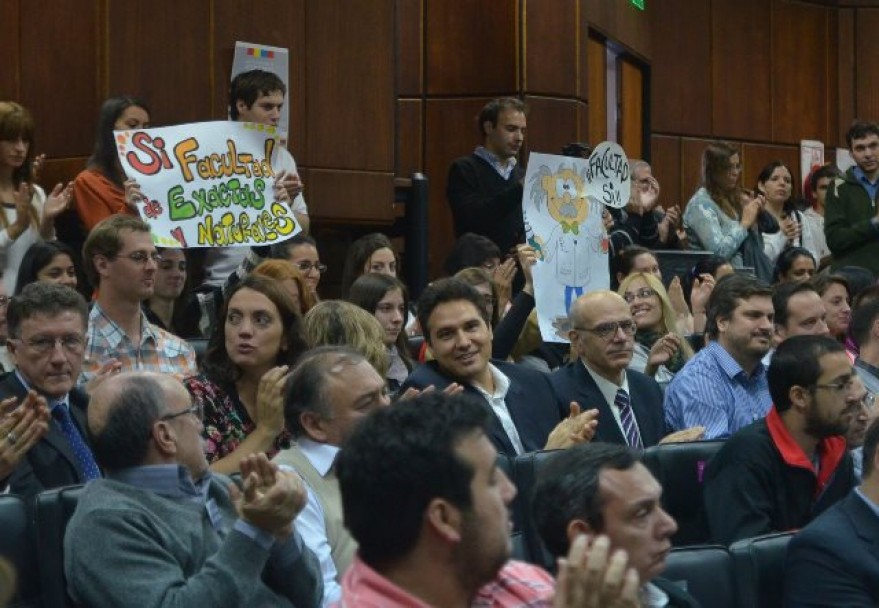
[(28, 214), (722, 218)]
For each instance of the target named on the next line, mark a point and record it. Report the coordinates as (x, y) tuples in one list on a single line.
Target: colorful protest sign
[(207, 184), (563, 222), (607, 175)]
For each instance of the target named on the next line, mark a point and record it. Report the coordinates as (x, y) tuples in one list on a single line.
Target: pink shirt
[(517, 585)]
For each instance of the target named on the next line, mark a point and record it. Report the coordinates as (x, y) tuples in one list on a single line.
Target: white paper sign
[(844, 160), (607, 175), (250, 56), (811, 156), (563, 223), (207, 184)]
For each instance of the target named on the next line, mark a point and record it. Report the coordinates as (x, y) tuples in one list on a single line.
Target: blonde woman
[(338, 323), (659, 350)]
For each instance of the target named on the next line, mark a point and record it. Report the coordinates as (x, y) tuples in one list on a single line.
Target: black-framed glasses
[(141, 257), (606, 331), (641, 294), (194, 409), (304, 267)]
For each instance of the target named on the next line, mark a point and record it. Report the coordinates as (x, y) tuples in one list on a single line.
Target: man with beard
[(778, 473), (723, 388)]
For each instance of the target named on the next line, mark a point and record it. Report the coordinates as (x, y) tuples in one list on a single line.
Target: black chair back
[(54, 508), (679, 468), (527, 467), (759, 566), (705, 572), (17, 546)]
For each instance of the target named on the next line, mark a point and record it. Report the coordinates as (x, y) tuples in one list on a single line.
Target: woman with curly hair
[(246, 365)]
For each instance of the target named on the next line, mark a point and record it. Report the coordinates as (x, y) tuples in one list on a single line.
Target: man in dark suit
[(629, 403), (834, 561), (527, 414), (604, 489), (47, 324)]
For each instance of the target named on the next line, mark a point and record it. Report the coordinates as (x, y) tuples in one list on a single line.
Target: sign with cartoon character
[(563, 202), (208, 184)]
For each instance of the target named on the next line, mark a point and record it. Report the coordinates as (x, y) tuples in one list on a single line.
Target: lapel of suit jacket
[(643, 417), (54, 437), (864, 520), (590, 396), (495, 428)]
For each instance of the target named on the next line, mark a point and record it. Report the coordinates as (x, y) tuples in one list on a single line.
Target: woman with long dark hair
[(247, 362), (99, 191), (47, 261)]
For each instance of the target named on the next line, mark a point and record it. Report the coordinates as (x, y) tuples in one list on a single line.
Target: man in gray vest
[(330, 391)]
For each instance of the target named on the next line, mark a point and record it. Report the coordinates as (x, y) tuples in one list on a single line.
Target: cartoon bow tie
[(572, 227)]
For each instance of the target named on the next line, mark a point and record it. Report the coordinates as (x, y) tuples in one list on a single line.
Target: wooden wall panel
[(597, 87), (741, 69), (631, 119), (409, 137), (800, 87), (10, 46), (59, 74), (350, 196), (623, 22), (681, 92), (471, 47), (268, 22), (691, 166), (552, 123), (867, 68), (351, 96), (450, 133), (63, 170), (550, 47), (410, 47), (757, 156), (845, 61), (161, 51), (665, 161)]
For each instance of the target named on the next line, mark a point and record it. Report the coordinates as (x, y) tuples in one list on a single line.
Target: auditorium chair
[(759, 568), (705, 572), (526, 468), (17, 546), (679, 468), (200, 346), (53, 510), (517, 536)]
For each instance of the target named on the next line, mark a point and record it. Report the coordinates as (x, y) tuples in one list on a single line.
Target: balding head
[(602, 333), (122, 418)]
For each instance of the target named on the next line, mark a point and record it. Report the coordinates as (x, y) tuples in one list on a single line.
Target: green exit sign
[(639, 3)]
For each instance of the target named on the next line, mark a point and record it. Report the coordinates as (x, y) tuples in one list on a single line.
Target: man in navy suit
[(527, 414), (47, 324), (629, 403), (834, 561)]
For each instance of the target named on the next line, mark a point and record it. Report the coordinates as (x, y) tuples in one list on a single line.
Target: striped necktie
[(78, 446), (627, 418)]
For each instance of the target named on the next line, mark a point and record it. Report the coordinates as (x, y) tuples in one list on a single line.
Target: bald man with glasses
[(629, 403)]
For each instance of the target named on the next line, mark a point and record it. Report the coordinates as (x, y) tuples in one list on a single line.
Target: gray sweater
[(127, 546)]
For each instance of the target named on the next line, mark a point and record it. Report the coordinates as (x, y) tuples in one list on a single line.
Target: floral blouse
[(226, 422), (709, 228)]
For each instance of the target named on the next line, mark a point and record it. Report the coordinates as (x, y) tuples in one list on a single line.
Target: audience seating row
[(32, 538)]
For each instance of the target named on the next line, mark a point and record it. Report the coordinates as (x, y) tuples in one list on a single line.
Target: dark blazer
[(533, 404), (50, 463), (834, 561), (677, 597), (572, 382)]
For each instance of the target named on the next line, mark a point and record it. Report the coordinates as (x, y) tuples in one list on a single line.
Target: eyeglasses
[(43, 345), (195, 409), (141, 257), (307, 266), (490, 266), (641, 294), (838, 387), (868, 401), (608, 330)]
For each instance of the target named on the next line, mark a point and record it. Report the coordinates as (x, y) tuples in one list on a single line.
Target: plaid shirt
[(158, 351)]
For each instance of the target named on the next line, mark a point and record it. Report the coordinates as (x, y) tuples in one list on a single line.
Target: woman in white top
[(660, 351), (28, 215)]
